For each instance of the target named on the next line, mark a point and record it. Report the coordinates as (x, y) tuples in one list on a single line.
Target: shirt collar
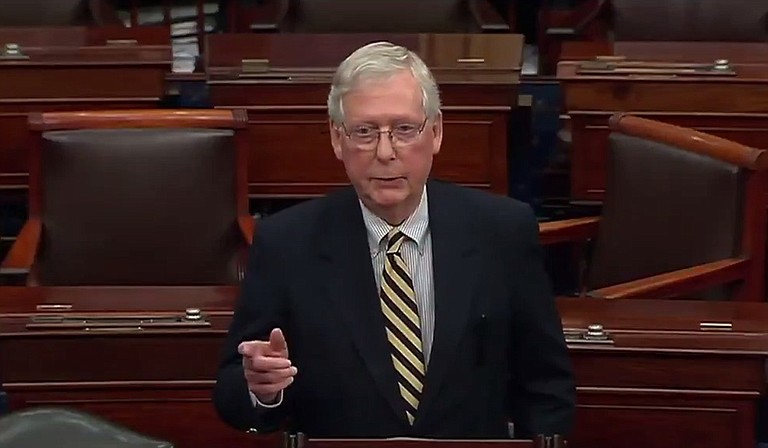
[(415, 227)]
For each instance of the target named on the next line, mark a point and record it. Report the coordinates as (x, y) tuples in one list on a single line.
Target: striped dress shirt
[(417, 252)]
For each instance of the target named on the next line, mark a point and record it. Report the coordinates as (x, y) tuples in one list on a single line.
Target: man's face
[(387, 176)]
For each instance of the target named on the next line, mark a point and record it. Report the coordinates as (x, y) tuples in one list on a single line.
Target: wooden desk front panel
[(160, 385), (291, 153), (590, 131), (39, 88), (657, 399), (661, 382), (609, 418), (156, 382), (660, 379)]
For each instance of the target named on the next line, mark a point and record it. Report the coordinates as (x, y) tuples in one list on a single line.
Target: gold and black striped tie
[(403, 325)]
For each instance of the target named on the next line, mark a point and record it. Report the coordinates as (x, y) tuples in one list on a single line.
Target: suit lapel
[(343, 246), (455, 269)]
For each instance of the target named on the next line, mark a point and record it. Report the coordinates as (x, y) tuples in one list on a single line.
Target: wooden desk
[(74, 69), (659, 380), (156, 380), (283, 81), (671, 373), (732, 105)]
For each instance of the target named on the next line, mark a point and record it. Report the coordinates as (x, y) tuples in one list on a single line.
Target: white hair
[(380, 60)]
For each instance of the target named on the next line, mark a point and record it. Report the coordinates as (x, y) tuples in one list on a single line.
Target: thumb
[(277, 342)]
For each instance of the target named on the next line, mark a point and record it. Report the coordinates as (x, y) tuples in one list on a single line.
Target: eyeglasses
[(366, 138)]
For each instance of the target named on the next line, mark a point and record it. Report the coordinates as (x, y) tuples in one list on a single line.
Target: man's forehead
[(401, 79)]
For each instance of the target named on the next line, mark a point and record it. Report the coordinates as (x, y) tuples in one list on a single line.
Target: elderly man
[(399, 306)]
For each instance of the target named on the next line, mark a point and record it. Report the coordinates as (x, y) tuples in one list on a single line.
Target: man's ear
[(437, 133), (336, 138)]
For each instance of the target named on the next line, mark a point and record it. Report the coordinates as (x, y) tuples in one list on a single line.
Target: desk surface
[(654, 318), (116, 299), (735, 52), (662, 71), (671, 324)]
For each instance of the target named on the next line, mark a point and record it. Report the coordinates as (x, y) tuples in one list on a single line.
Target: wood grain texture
[(659, 369)]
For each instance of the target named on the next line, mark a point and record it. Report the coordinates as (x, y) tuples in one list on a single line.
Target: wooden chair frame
[(748, 268), (20, 259)]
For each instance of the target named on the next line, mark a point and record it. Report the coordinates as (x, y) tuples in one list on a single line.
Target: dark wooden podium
[(73, 68), (677, 82), (301, 441), (283, 81)]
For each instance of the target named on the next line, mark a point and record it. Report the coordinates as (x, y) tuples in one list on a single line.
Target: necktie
[(403, 326)]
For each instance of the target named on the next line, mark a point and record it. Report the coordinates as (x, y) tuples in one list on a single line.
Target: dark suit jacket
[(499, 352)]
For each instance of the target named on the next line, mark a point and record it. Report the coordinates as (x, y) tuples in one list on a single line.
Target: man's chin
[(389, 197)]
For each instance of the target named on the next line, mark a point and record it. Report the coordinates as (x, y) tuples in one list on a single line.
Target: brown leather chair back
[(67, 428), (140, 205), (378, 16), (665, 209), (690, 20)]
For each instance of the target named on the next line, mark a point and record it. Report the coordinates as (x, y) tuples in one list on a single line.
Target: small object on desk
[(12, 51), (722, 64), (193, 314), (595, 331)]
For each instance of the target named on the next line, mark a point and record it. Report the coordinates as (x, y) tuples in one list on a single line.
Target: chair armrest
[(487, 18), (577, 229), (247, 225), (22, 255), (678, 283)]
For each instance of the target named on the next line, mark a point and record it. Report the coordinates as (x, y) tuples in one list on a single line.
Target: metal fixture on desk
[(594, 334)]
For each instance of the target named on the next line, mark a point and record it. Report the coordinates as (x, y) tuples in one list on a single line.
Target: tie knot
[(395, 241)]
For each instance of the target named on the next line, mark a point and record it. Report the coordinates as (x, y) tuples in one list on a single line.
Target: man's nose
[(384, 149)]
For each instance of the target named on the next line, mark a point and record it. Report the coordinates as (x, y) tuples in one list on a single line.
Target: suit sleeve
[(261, 307), (543, 382)]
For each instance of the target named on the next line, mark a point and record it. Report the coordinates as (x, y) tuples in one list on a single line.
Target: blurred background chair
[(685, 20), (684, 215), (56, 12), (155, 197), (386, 16)]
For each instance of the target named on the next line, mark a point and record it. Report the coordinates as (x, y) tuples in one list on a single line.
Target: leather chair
[(686, 20), (65, 428), (603, 22), (154, 197), (664, 20), (684, 216), (385, 16), (55, 13)]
